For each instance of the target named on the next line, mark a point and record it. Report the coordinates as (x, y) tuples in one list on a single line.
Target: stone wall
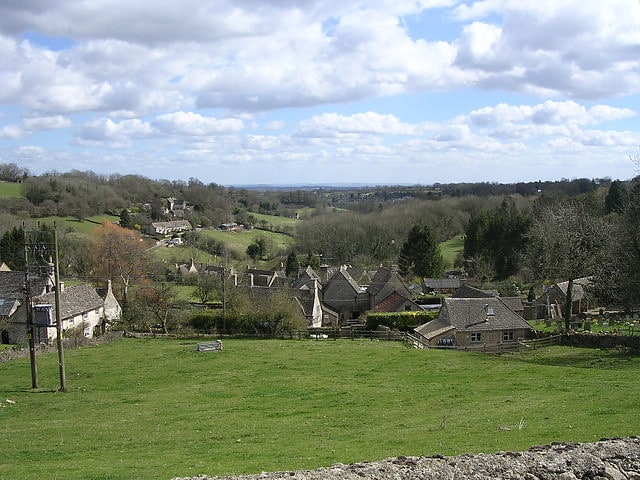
[(612, 459)]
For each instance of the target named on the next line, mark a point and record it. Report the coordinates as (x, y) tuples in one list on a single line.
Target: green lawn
[(10, 190), (450, 250), (158, 409)]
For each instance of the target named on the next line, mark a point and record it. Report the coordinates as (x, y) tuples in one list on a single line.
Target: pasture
[(11, 190), (157, 408)]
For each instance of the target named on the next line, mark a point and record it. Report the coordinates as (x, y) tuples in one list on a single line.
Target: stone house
[(474, 322)]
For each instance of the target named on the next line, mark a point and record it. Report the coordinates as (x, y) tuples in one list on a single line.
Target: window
[(507, 336), (476, 337)]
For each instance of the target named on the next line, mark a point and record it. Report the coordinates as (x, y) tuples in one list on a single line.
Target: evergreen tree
[(291, 268), (420, 254), (12, 248), (617, 198), (125, 218)]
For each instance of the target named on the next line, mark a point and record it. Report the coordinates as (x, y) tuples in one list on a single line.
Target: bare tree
[(566, 242)]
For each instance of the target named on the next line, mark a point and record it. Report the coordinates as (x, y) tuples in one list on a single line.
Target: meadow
[(157, 408)]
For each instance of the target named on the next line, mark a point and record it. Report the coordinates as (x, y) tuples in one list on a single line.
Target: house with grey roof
[(474, 322), (81, 308)]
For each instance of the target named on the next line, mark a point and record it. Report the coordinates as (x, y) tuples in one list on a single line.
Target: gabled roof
[(74, 300), (379, 280), (343, 274), (394, 302), (467, 291), (442, 283), (478, 314)]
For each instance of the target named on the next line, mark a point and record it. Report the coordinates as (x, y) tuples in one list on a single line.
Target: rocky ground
[(611, 459)]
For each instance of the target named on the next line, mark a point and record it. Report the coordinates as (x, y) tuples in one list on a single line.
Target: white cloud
[(53, 122), (193, 124), (330, 124)]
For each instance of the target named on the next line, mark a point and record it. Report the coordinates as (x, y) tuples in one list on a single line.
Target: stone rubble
[(608, 459)]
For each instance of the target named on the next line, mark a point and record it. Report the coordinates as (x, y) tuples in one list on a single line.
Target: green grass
[(450, 249), (158, 409), (86, 226), (240, 240), (11, 190), (275, 222)]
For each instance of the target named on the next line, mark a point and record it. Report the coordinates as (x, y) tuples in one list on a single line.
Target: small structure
[(211, 346)]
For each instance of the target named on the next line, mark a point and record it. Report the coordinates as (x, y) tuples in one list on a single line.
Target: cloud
[(330, 124), (193, 124)]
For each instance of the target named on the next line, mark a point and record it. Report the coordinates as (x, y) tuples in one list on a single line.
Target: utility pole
[(40, 247), (63, 377), (30, 328)]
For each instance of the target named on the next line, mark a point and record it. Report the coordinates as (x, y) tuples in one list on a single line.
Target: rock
[(612, 459)]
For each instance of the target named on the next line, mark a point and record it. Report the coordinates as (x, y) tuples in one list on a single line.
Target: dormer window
[(489, 310)]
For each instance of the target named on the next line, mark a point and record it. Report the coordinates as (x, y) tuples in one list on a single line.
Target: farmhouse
[(474, 322)]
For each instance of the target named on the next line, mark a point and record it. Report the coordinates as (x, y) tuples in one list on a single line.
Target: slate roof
[(514, 303), (474, 314), (12, 283), (379, 280), (467, 291), (74, 300), (442, 283)]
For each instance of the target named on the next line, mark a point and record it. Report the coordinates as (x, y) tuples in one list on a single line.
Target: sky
[(290, 92)]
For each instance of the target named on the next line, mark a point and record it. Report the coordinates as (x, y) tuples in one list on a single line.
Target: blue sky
[(308, 92)]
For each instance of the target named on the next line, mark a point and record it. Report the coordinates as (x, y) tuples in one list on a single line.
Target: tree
[(617, 198), (292, 265), (125, 219), (118, 255), (74, 254), (258, 249), (156, 306), (420, 254), (497, 238), (12, 248), (11, 172), (207, 286), (565, 242), (617, 279)]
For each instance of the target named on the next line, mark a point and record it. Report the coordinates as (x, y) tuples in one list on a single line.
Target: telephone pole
[(40, 249)]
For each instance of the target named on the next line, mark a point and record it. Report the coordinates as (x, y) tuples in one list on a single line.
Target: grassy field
[(158, 409), (86, 226), (10, 190), (450, 250), (274, 222), (240, 240)]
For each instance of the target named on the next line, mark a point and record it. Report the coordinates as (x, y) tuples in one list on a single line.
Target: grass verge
[(145, 408)]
